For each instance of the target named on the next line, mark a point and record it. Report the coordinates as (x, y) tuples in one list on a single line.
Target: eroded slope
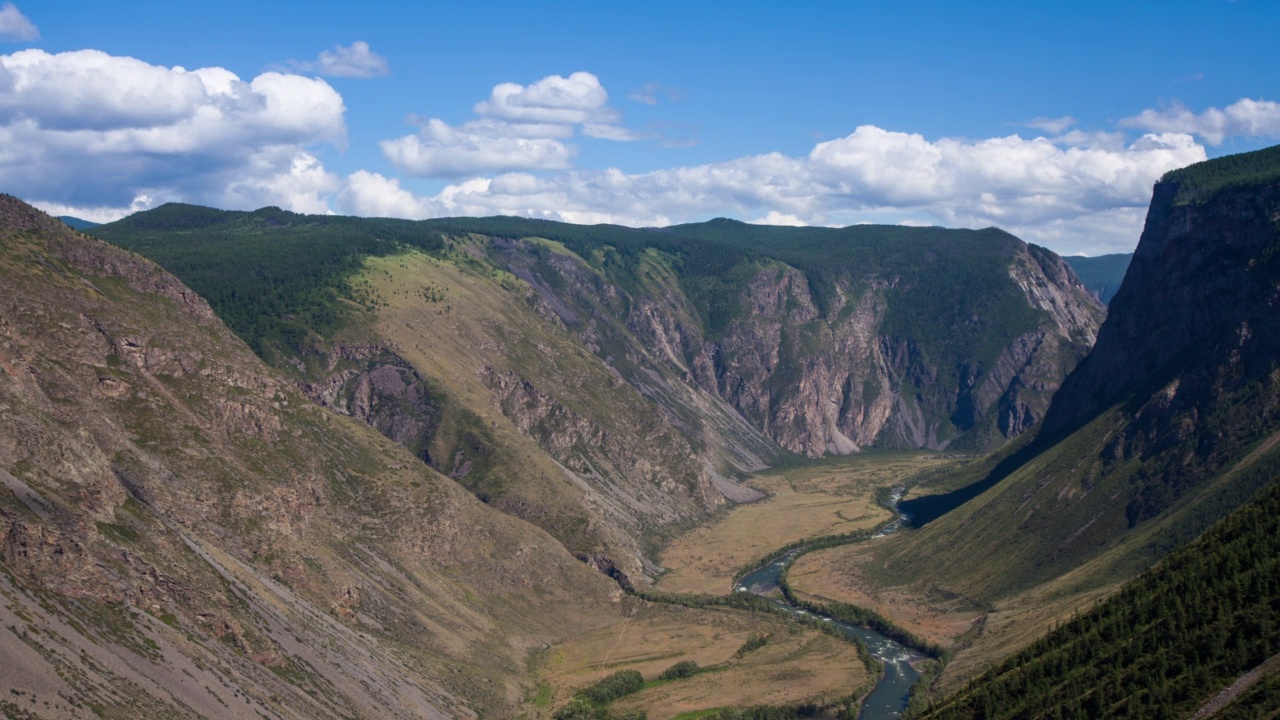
[(185, 533)]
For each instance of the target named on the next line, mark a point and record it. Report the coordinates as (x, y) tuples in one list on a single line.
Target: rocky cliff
[(836, 381), (1170, 422), (183, 533)]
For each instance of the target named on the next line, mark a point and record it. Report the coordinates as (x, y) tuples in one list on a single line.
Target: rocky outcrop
[(836, 382), (378, 387)]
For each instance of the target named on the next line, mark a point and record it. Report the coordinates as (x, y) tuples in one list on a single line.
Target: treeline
[(1162, 646), (751, 601), (274, 277), (1200, 182), (592, 702)]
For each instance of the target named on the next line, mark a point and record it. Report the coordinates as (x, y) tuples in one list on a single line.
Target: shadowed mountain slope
[(1169, 424)]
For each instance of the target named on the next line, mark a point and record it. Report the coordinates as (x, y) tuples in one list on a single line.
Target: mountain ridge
[(531, 335), (185, 534)]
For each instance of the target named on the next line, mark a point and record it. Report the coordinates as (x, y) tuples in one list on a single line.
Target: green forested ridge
[(1201, 182), (1163, 645), (274, 275)]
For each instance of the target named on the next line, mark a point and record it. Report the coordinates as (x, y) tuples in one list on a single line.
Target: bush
[(612, 687), (755, 642), (682, 669)]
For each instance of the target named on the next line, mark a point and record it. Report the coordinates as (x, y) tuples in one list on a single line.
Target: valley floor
[(827, 497)]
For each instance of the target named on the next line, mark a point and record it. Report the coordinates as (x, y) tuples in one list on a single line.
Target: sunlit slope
[(540, 427), (185, 533)]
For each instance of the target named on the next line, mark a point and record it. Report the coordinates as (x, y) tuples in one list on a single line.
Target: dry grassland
[(828, 497), (794, 665), (836, 574)]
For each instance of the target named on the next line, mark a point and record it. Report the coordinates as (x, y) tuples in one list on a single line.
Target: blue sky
[(1049, 119)]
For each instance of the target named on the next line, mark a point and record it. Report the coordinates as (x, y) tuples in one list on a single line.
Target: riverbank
[(832, 496)]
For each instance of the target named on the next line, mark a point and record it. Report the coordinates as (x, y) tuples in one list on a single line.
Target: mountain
[(609, 384), (184, 533), (1102, 274), (1171, 422), (76, 223)]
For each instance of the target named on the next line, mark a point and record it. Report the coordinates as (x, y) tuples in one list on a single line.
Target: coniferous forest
[(1161, 647)]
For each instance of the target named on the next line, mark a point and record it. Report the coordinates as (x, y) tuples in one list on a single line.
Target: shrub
[(682, 669), (612, 687), (755, 642)]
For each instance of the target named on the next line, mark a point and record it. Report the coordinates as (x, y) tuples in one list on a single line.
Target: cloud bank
[(1244, 118), (90, 130), (95, 135), (1032, 186)]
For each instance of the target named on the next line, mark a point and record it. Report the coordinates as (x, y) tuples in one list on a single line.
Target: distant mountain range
[(76, 223), (1102, 274)]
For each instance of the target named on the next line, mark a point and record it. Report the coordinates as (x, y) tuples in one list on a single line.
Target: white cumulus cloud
[(14, 26), (1243, 118), (577, 99), (776, 218), (522, 127), (1068, 195), (356, 61), (90, 130), (443, 150)]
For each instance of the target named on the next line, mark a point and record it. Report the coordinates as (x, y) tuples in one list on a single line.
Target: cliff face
[(1197, 304), (183, 533), (839, 381), (1172, 420)]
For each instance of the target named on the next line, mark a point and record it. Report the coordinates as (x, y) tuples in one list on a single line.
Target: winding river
[(889, 697)]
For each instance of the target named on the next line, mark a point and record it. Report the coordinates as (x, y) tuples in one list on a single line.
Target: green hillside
[(273, 276), (1201, 182), (1161, 647)]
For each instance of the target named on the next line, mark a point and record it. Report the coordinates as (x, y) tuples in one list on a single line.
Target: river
[(889, 697)]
